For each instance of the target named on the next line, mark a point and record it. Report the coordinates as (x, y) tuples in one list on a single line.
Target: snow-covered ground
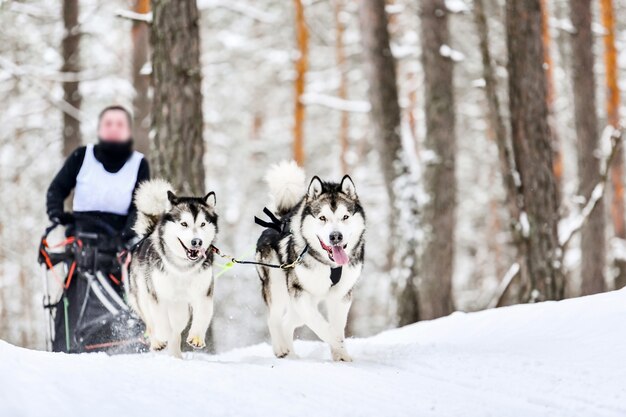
[(548, 359)]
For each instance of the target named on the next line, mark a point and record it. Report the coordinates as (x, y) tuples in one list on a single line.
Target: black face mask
[(113, 155)]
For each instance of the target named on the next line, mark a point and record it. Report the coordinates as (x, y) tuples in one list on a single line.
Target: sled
[(84, 298)]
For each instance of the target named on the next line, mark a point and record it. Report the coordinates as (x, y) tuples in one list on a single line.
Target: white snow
[(548, 359), (336, 103), (140, 17), (447, 52), (244, 8), (524, 224), (457, 6)]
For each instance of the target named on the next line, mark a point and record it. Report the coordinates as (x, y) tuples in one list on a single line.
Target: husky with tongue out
[(171, 270), (324, 226)]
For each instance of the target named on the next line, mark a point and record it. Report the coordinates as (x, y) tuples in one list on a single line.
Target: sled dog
[(171, 273), (325, 225)]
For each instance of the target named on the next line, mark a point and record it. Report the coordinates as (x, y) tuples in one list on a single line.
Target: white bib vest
[(100, 190)]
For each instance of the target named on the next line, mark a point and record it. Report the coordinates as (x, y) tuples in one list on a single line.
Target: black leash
[(275, 224), (286, 265)]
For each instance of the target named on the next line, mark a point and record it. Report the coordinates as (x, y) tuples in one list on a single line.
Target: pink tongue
[(339, 255)]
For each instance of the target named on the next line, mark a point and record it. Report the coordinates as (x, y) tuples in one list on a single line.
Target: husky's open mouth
[(192, 254), (336, 253)]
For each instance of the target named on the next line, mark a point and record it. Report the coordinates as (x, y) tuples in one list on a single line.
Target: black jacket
[(65, 181)]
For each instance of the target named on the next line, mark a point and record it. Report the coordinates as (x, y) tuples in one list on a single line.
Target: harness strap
[(335, 275), (274, 222)]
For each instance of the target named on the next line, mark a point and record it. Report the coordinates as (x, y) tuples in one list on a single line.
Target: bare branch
[(134, 16), (335, 103), (505, 283), (575, 224), (242, 7), (505, 152), (63, 105)]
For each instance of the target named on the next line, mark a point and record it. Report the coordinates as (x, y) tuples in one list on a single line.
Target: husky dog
[(328, 220), (171, 268)]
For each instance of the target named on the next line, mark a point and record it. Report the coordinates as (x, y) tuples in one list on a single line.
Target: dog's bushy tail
[(151, 202), (286, 181)]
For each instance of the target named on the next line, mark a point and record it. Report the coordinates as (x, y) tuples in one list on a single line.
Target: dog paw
[(196, 342), (283, 353), (157, 345), (340, 355)]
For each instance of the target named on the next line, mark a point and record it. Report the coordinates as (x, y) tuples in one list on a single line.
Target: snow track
[(548, 359)]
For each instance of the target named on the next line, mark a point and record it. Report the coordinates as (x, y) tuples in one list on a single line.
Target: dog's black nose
[(196, 243), (335, 238)]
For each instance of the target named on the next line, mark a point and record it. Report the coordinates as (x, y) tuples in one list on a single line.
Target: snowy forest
[(483, 137)]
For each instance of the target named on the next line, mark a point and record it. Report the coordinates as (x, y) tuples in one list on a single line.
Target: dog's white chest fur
[(181, 287), (316, 280)]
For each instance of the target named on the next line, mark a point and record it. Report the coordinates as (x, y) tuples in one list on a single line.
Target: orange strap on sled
[(48, 261)]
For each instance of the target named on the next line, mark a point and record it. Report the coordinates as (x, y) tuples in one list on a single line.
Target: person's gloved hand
[(64, 218)]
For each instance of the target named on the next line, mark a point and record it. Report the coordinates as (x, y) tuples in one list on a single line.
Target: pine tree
[(532, 147), (71, 66), (439, 212), (400, 185), (178, 145), (141, 101), (612, 115), (593, 232), (302, 62)]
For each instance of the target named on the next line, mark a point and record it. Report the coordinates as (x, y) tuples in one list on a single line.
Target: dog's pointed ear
[(210, 199), (315, 187), (347, 186), (172, 198)]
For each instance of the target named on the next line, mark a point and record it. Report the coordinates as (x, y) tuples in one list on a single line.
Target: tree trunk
[(400, 184), (178, 145), (340, 53), (302, 37), (612, 110), (71, 66), (546, 39), (141, 82), (439, 212), (532, 147), (592, 233), (514, 198)]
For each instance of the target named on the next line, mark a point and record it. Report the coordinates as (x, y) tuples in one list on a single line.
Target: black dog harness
[(279, 226), (335, 275)]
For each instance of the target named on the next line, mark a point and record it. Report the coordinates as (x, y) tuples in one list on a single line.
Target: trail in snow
[(548, 359)]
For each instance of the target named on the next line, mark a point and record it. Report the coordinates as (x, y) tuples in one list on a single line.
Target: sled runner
[(84, 295)]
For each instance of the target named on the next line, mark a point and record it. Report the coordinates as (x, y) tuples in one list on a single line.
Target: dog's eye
[(323, 218), (202, 224), (184, 224), (346, 217)]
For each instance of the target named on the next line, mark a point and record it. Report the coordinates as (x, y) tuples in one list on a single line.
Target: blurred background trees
[(70, 50), (446, 114), (440, 165), (592, 238)]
